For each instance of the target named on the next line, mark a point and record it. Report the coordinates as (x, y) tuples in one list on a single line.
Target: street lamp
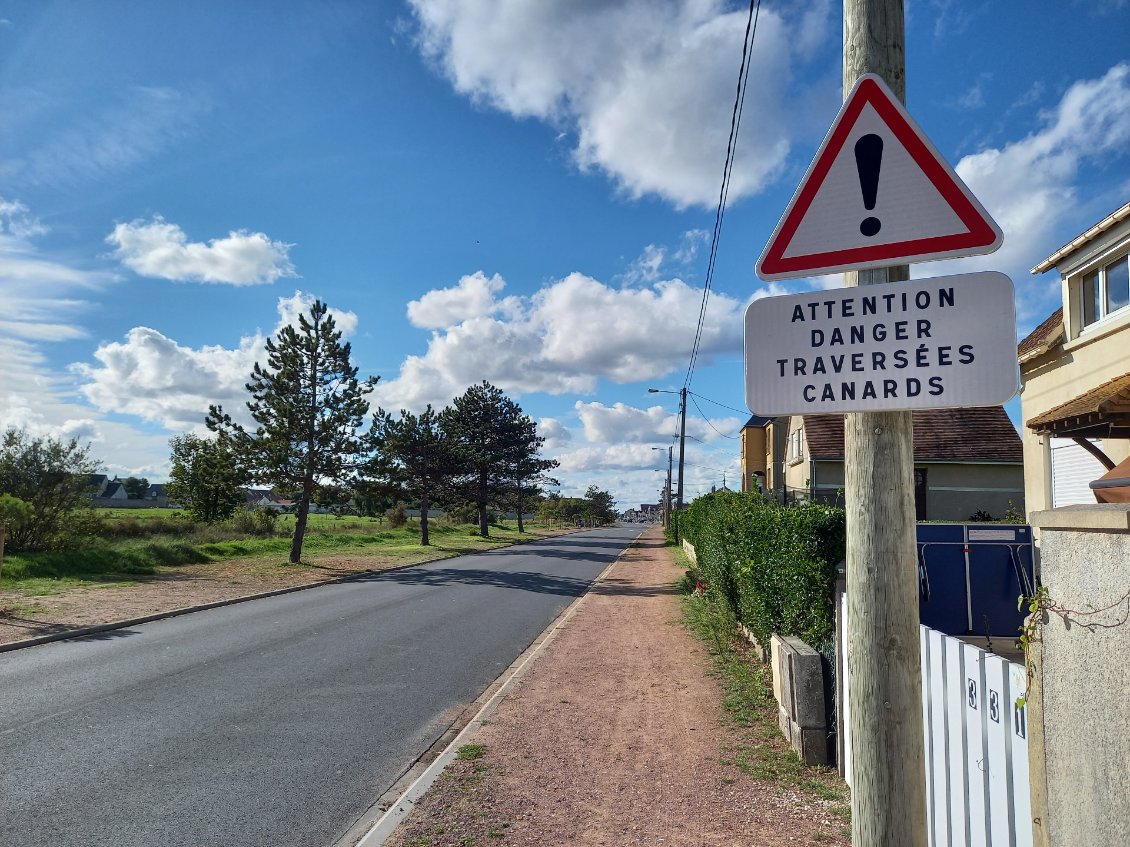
[(682, 444), (667, 497)]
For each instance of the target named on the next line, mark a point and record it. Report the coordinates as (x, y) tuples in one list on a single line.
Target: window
[(795, 452), (1105, 290), (1117, 285)]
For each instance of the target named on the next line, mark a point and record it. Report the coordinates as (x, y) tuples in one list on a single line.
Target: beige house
[(1075, 370), (967, 462)]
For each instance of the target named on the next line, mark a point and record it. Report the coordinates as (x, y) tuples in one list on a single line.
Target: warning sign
[(938, 343), (877, 193)]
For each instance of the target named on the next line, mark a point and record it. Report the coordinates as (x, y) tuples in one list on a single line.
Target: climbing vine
[(1041, 605)]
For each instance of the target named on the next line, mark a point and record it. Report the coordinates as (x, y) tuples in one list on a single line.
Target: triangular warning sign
[(877, 193)]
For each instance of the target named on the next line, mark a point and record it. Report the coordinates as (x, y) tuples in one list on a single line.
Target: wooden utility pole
[(888, 765), (682, 446), (667, 492)]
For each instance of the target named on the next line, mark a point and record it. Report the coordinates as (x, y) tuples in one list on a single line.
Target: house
[(754, 454), (114, 490), (97, 484), (267, 499), (966, 461), (1075, 370)]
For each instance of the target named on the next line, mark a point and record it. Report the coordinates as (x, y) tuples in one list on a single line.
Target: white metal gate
[(977, 785)]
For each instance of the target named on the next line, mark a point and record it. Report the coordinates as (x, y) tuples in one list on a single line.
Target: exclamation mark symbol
[(868, 161)]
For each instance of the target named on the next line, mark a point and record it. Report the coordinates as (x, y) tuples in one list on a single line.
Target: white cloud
[(157, 379), (644, 87), (562, 339), (41, 304), (554, 432), (623, 423), (162, 250), (153, 377), (299, 303), (1030, 186), (646, 267), (17, 221), (145, 121), (472, 297), (692, 240), (610, 458)]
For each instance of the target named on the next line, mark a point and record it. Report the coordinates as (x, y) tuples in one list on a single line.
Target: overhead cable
[(727, 169)]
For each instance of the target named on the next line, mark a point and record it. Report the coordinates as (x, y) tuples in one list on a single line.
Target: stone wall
[(1079, 695)]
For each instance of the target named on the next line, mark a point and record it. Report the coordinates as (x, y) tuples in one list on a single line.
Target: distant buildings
[(966, 461)]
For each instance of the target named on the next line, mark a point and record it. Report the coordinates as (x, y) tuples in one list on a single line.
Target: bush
[(689, 581), (53, 478), (258, 522), (773, 566), (461, 513), (398, 517), (136, 528), (1014, 515)]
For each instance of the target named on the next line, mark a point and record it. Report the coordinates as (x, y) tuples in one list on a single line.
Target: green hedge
[(774, 566)]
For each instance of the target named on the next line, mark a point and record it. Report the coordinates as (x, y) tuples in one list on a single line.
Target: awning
[(1102, 412)]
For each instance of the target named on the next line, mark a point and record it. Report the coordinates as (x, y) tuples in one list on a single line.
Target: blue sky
[(486, 189)]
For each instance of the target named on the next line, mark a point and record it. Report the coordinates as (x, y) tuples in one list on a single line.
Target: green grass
[(111, 514), (470, 752), (749, 706), (126, 560)]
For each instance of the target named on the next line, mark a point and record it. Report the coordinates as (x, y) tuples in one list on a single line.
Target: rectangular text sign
[(934, 343)]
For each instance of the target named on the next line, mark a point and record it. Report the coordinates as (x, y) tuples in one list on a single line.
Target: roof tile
[(940, 435), (1045, 332)]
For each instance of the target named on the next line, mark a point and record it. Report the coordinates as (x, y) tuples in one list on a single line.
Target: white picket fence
[(977, 785)]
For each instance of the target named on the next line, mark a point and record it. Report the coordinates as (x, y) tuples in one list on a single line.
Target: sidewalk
[(614, 736)]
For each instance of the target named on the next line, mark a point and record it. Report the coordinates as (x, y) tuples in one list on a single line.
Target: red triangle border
[(980, 231)]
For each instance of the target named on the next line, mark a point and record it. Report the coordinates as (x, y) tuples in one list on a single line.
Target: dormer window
[(1105, 290)]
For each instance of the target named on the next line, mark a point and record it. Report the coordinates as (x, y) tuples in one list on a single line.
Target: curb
[(388, 822), (82, 632)]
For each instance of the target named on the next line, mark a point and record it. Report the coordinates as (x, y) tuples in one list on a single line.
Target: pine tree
[(528, 467), (413, 458), (485, 425), (308, 405)]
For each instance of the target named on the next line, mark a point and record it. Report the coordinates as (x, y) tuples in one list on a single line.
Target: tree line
[(310, 443)]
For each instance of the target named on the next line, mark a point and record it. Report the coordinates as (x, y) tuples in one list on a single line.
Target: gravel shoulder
[(614, 736)]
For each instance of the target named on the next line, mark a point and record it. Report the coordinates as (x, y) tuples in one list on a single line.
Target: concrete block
[(785, 722), (806, 674), (780, 667), (812, 746)]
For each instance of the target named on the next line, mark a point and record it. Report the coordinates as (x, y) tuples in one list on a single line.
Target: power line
[(727, 170), (709, 422), (723, 405)]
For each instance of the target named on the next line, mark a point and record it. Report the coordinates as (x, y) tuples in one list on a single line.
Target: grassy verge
[(758, 748), (118, 562)]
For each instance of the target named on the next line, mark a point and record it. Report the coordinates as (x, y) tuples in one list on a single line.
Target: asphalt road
[(273, 722)]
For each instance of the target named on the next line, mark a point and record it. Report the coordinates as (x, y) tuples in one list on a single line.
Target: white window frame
[(1098, 267), (796, 447)]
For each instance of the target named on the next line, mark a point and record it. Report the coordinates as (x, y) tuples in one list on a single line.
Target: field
[(147, 561), (139, 543)]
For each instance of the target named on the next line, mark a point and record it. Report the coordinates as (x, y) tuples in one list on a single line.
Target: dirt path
[(614, 737)]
